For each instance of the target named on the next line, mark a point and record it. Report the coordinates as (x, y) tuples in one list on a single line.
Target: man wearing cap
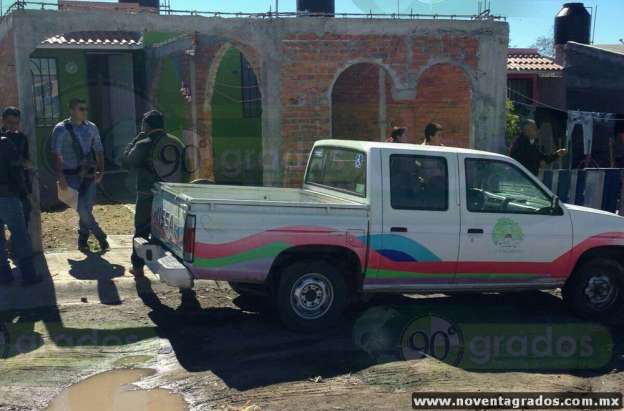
[(157, 157)]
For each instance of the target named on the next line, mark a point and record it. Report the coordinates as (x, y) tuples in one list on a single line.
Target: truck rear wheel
[(596, 291), (311, 296)]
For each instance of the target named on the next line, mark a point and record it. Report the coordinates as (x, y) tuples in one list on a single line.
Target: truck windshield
[(338, 168)]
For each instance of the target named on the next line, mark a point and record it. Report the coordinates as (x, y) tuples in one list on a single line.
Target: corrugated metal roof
[(529, 60), (95, 39), (613, 48)]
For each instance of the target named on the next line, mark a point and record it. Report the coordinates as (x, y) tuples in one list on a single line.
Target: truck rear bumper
[(164, 264)]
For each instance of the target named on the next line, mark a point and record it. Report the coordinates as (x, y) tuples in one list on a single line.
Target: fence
[(601, 188), (167, 10)]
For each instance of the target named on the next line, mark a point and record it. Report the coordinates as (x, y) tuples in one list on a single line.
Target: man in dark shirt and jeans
[(12, 188), (526, 151), (11, 129), (157, 157)]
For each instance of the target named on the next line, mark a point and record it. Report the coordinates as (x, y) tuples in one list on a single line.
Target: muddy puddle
[(112, 391)]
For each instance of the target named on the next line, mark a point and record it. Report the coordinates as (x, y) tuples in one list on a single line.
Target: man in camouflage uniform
[(157, 157)]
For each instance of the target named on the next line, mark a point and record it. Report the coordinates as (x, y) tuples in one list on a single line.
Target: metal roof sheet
[(96, 39)]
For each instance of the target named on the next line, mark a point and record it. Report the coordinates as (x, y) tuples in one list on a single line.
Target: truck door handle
[(475, 231), (398, 230)]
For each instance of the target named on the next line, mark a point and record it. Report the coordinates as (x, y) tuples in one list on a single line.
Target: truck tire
[(596, 291), (311, 296)]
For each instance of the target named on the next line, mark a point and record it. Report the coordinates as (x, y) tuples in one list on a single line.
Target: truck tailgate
[(168, 217)]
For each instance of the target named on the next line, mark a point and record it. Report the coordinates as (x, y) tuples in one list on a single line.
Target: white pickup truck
[(383, 217)]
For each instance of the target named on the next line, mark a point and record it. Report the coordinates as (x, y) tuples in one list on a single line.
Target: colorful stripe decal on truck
[(399, 248), (271, 250), (392, 257)]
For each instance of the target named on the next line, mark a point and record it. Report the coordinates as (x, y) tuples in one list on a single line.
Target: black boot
[(6, 277), (83, 244), (104, 246), (29, 274)]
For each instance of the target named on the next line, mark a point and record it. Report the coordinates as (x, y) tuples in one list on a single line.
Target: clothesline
[(553, 107)]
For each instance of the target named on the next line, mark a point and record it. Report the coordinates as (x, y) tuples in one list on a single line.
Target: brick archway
[(444, 96), (359, 97), (209, 59)]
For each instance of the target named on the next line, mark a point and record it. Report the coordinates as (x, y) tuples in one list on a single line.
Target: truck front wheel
[(596, 291), (311, 296)]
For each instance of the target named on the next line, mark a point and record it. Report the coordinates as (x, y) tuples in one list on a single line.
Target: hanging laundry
[(586, 120)]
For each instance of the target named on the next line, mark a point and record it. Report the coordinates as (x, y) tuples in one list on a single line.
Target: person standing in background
[(79, 164), (398, 135), (526, 151), (11, 117), (433, 135)]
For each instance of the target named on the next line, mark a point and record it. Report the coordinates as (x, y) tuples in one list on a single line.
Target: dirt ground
[(60, 228), (222, 351)]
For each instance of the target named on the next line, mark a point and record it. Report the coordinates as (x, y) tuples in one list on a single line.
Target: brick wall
[(442, 91), (8, 79), (330, 87)]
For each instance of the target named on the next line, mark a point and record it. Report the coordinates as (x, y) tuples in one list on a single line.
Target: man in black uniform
[(526, 151), (11, 129), (157, 157), (12, 189)]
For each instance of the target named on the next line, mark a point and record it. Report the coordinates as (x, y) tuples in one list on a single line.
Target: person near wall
[(433, 135), (526, 151), (11, 117), (157, 157), (398, 135), (79, 164), (12, 190)]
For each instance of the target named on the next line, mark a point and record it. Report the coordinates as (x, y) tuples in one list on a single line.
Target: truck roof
[(367, 145)]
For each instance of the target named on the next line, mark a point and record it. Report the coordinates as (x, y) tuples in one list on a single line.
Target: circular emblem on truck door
[(507, 234)]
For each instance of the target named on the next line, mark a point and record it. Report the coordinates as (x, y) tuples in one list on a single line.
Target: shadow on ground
[(18, 317), (248, 347), (95, 267)]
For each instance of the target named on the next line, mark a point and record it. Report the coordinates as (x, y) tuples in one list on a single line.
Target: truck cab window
[(418, 182), (339, 169), (499, 187)]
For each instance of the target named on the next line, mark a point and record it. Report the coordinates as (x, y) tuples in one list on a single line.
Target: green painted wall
[(71, 84), (237, 140), (169, 99)]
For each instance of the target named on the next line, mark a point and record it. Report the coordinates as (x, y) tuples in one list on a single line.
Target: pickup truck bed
[(270, 196), (239, 232)]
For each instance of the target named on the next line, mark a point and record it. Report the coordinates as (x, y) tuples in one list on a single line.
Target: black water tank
[(326, 7), (150, 3), (144, 3), (573, 23)]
